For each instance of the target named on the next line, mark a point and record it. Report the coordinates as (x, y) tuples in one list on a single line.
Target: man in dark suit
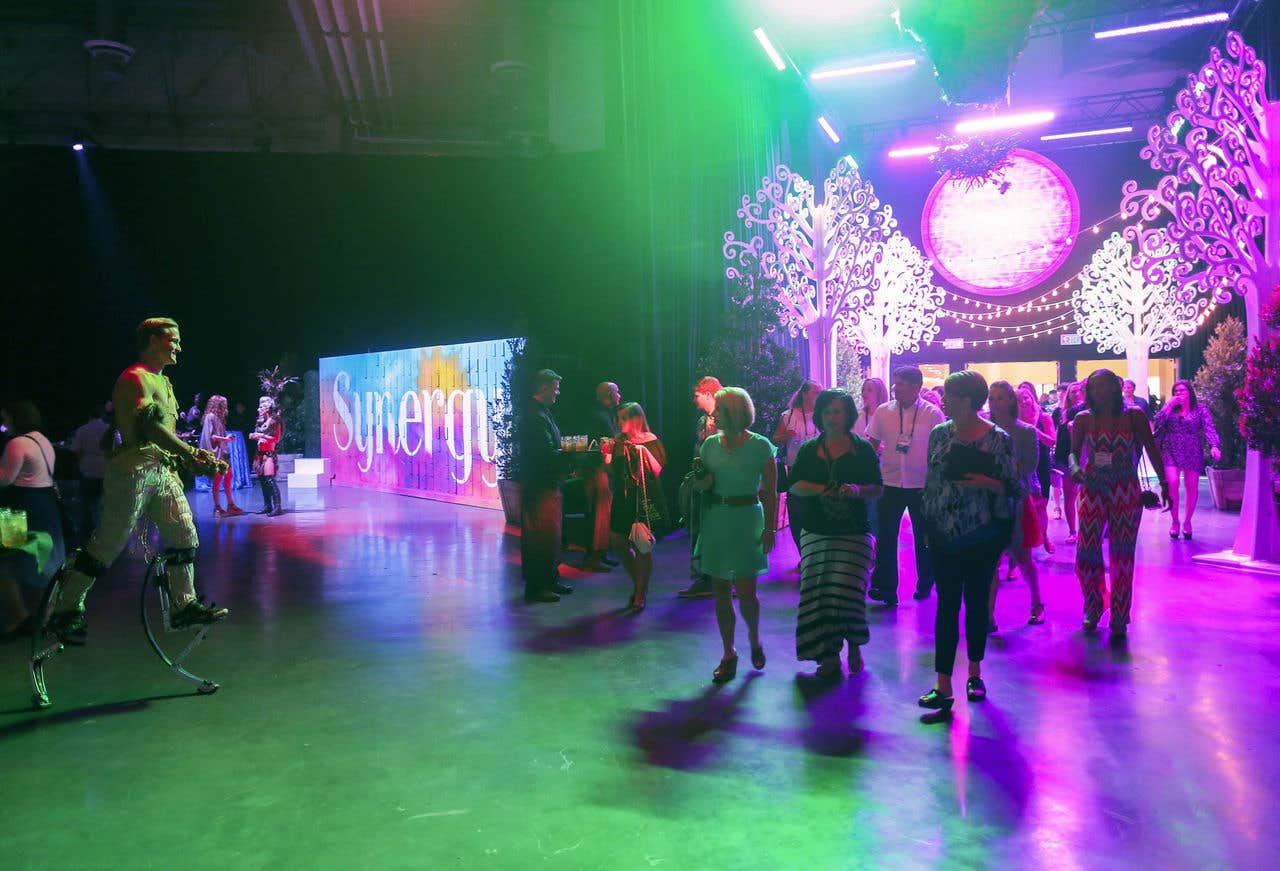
[(542, 468)]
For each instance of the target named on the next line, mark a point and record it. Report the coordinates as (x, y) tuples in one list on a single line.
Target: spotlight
[(78, 146)]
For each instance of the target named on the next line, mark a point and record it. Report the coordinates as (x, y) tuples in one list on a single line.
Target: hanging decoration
[(974, 44), (974, 162), (820, 257)]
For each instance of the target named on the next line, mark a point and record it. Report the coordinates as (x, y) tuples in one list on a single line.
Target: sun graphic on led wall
[(1006, 235)]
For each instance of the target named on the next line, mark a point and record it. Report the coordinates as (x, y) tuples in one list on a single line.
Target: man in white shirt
[(899, 430), (86, 444)]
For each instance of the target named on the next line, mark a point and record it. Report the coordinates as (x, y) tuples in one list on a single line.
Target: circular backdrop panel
[(1003, 237)]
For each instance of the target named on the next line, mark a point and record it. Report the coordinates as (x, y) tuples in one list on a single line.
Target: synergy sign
[(415, 421)]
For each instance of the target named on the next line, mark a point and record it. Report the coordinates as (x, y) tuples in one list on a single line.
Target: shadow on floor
[(75, 715), (833, 707), (680, 736)]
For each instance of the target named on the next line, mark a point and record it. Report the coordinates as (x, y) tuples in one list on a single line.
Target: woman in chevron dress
[(1104, 441)]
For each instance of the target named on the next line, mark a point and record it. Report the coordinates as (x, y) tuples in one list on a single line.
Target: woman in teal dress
[(740, 478)]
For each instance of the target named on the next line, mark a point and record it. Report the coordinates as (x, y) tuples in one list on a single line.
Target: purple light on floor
[(999, 239), (1171, 24), (79, 146), (828, 129)]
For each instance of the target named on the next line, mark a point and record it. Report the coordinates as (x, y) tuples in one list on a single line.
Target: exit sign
[(953, 344), (1069, 338)]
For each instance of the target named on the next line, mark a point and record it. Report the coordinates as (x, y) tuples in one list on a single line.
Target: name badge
[(1102, 460), (904, 444)]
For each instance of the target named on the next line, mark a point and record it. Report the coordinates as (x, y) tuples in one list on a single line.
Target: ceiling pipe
[(304, 36), (382, 45), (335, 55), (362, 9), (348, 50)]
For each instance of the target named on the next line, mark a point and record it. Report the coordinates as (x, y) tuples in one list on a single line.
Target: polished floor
[(389, 701)]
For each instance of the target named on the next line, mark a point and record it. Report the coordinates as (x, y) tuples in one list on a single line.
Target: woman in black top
[(830, 481)]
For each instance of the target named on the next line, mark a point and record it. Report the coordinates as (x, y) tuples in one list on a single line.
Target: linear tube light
[(843, 72), (763, 38), (1004, 122), (1171, 24), (924, 150), (828, 129), (1082, 133)]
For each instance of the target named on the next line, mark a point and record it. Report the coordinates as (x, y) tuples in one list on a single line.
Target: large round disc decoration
[(1005, 234)]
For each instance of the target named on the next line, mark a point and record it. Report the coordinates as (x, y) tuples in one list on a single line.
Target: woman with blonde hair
[(874, 395), (637, 458), (214, 438), (738, 475)]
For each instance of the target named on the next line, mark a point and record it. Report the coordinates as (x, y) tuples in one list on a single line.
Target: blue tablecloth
[(239, 466)]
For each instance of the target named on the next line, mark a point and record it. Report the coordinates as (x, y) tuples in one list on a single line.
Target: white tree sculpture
[(821, 262), (1119, 310), (1218, 199), (900, 310)]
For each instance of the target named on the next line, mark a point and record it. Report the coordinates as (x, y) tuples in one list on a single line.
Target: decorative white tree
[(823, 254), (1220, 196), (1119, 310), (899, 310)]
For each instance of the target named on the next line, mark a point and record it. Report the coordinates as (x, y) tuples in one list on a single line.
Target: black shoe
[(562, 588), (726, 670), (70, 626), (976, 689), (197, 613), (609, 561), (540, 596), (757, 658), (936, 701), (699, 589)]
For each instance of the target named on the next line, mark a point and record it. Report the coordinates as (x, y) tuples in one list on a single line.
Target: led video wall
[(415, 421)]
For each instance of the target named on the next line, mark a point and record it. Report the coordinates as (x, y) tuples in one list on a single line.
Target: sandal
[(726, 670), (936, 701), (1173, 532), (976, 689), (757, 658), (1037, 614)]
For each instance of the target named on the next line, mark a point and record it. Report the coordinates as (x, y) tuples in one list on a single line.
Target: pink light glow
[(1002, 243), (923, 150), (1004, 122)]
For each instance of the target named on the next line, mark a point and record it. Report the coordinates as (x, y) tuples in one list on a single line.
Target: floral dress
[(1181, 437)]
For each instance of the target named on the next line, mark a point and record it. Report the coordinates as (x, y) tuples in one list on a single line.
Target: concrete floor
[(389, 701)]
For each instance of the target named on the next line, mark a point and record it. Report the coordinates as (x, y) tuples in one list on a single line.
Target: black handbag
[(70, 533)]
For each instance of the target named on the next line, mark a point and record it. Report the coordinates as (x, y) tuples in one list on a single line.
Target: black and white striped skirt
[(834, 571)]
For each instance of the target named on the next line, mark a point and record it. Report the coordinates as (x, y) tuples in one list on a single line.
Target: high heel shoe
[(726, 670), (757, 658), (1186, 532), (1037, 614), (637, 604), (1173, 532)]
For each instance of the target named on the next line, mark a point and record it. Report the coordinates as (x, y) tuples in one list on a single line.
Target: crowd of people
[(974, 467)]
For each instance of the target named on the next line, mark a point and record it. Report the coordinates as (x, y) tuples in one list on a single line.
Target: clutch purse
[(962, 460)]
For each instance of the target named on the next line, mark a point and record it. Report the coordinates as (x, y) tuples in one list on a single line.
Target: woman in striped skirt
[(831, 480)]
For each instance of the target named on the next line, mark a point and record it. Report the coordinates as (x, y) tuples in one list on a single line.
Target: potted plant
[(505, 421), (1216, 382), (1260, 396)]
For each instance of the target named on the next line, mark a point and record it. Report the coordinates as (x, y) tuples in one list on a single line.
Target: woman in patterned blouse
[(969, 491), (1182, 428)]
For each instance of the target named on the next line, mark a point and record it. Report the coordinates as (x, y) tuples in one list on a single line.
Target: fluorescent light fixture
[(915, 151), (1004, 122), (828, 129), (924, 150), (769, 49), (1082, 133), (1171, 24), (868, 68)]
